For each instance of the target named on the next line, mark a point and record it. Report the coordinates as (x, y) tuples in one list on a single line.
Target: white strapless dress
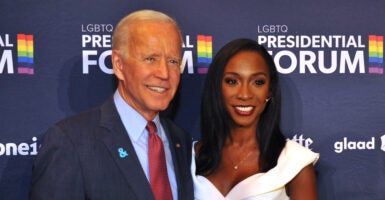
[(262, 186)]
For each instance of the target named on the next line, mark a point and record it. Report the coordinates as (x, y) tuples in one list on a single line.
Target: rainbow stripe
[(25, 54), (376, 54), (205, 53)]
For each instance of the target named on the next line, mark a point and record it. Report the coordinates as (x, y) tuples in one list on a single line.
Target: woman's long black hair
[(216, 121)]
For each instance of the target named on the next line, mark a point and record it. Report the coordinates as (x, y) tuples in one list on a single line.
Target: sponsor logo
[(383, 143), (96, 47), (346, 144), (204, 51), (376, 54), (22, 149), (322, 54), (97, 43), (24, 51), (25, 54), (300, 139)]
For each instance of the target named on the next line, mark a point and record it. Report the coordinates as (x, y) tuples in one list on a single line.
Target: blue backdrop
[(54, 62)]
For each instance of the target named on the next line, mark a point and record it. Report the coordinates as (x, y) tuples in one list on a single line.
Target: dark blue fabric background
[(322, 107)]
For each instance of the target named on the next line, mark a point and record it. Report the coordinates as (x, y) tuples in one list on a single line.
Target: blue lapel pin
[(122, 153)]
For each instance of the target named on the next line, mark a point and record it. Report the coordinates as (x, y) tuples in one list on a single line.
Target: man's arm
[(56, 171)]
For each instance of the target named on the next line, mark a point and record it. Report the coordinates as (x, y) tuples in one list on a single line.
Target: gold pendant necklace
[(236, 166)]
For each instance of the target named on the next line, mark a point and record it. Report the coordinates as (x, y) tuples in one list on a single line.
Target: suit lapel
[(119, 144), (176, 154)]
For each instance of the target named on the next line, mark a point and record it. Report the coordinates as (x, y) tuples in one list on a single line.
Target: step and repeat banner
[(55, 62)]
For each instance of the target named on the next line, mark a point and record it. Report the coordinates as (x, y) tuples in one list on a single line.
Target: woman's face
[(245, 87)]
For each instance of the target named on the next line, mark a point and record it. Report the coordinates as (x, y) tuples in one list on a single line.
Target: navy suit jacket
[(79, 159)]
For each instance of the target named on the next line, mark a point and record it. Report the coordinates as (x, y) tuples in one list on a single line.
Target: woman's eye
[(230, 81), (260, 82)]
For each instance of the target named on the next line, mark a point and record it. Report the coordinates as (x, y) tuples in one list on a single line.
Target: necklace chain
[(236, 166)]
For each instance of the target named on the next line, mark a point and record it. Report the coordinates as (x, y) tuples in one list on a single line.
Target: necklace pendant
[(235, 167)]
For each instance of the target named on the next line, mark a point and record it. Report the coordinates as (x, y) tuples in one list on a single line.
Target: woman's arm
[(304, 185)]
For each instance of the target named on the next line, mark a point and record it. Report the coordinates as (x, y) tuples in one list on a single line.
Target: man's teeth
[(158, 89), (244, 108)]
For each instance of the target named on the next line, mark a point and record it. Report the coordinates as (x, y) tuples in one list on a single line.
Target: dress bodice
[(267, 186)]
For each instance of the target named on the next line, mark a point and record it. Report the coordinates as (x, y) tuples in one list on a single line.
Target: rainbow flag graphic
[(205, 53), (25, 54), (376, 54)]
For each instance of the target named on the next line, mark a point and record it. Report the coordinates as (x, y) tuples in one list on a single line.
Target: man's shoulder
[(88, 118), (82, 119)]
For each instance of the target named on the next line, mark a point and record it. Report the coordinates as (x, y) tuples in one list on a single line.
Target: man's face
[(149, 72)]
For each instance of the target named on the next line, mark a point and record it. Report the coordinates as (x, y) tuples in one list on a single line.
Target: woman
[(242, 153)]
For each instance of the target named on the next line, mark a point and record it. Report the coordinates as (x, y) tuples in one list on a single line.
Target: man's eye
[(150, 59), (174, 61)]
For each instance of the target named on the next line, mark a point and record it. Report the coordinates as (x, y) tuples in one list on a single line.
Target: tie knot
[(151, 127)]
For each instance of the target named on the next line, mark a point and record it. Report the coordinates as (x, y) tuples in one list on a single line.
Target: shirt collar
[(134, 123)]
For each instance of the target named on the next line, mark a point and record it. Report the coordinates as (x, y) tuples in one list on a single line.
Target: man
[(105, 153)]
